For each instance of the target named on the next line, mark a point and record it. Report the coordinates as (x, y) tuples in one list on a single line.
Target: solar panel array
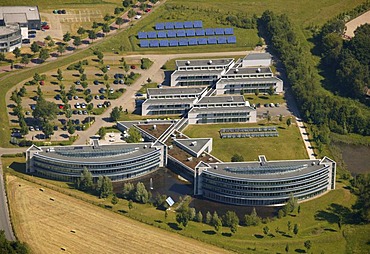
[(249, 129), (186, 42), (173, 34), (262, 170), (250, 135)]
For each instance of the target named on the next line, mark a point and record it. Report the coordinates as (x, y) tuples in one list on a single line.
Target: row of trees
[(103, 186), (317, 105), (14, 247), (361, 184), (137, 193)]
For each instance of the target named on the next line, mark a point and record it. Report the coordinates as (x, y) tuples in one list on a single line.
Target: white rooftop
[(31, 12)]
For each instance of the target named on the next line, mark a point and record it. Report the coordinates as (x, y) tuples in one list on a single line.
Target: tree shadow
[(158, 221), (19, 167), (300, 250), (174, 226), (334, 212), (286, 235), (258, 236), (122, 211), (209, 232), (226, 234), (330, 230)]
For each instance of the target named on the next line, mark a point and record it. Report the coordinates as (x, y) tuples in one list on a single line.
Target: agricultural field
[(288, 145)]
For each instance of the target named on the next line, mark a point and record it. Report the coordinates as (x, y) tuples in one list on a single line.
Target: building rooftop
[(221, 109), (197, 72), (169, 101), (15, 18), (175, 90), (193, 144), (204, 62), (248, 80), (221, 99), (249, 70), (266, 170), (31, 12), (102, 153), (257, 56), (4, 30)]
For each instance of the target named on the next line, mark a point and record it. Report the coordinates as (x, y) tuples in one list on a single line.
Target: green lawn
[(316, 222), (146, 86), (288, 145), (263, 99)]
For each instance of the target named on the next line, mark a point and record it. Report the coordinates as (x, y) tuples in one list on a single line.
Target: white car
[(77, 105), (138, 17)]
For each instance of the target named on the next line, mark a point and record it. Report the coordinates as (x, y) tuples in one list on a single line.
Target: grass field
[(29, 207), (288, 145)]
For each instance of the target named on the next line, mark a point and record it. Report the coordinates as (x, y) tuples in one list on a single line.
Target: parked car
[(76, 97), (96, 82)]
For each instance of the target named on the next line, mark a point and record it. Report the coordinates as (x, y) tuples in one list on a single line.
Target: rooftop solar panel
[(219, 31), (171, 34), (183, 42), (200, 32), (210, 31), (173, 43), (231, 39), (188, 24), (221, 40), (212, 40), (144, 43), (169, 25), (142, 35), (159, 26), (179, 25), (180, 33), (190, 32), (163, 43), (154, 43), (229, 31), (152, 35), (161, 34), (198, 24), (202, 41), (193, 41)]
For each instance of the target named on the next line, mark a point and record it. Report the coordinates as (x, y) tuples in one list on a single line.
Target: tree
[(295, 229), (289, 225), (95, 25), (292, 204), (119, 22), (217, 224), (67, 37), (86, 180), (61, 48), (288, 122), (23, 126), (71, 129), (253, 219), (92, 35), (81, 30), (299, 209), (114, 200), (59, 75), (208, 218), (281, 214), (280, 118), (47, 129), (134, 136), (271, 90), (231, 220), (77, 41), (183, 214), (287, 248), (130, 204), (141, 194), (128, 191), (106, 28), (126, 3), (308, 245), (131, 13), (35, 47), (2, 56), (165, 214), (51, 43), (72, 90), (25, 60), (268, 117), (237, 158), (199, 217), (83, 77), (100, 56), (115, 114), (44, 54), (107, 17), (257, 92), (102, 132), (104, 187), (118, 10), (266, 230), (17, 52), (45, 110)]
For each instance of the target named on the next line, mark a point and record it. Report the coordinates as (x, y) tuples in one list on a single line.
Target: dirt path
[(46, 226), (353, 24)]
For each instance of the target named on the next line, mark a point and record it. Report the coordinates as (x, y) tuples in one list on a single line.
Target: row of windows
[(10, 35), (218, 105), (255, 86), (223, 120), (210, 115), (265, 75), (200, 77), (196, 83), (166, 112), (185, 106), (173, 96), (201, 68)]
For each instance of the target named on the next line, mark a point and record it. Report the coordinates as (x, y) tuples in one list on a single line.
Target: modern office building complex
[(265, 182), (118, 162), (10, 38)]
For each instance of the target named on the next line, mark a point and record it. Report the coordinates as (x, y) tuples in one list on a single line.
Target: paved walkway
[(4, 211)]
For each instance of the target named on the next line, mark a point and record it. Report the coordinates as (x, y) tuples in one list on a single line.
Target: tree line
[(317, 105)]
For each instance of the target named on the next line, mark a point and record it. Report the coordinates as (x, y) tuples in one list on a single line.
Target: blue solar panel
[(229, 31), (210, 31), (142, 35), (198, 24), (200, 32), (219, 31), (183, 42), (162, 34), (190, 32), (221, 40), (181, 33), (174, 43), (231, 39), (163, 43), (171, 34), (152, 35), (169, 25), (144, 43), (179, 25), (193, 41), (212, 40), (188, 24), (202, 41), (159, 26), (154, 43)]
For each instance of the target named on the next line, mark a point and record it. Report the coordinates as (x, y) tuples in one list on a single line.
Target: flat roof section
[(221, 99), (221, 109), (258, 56), (169, 101), (204, 62), (32, 12), (197, 72), (194, 144), (271, 80), (249, 70), (175, 90), (270, 170), (15, 18), (4, 30)]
